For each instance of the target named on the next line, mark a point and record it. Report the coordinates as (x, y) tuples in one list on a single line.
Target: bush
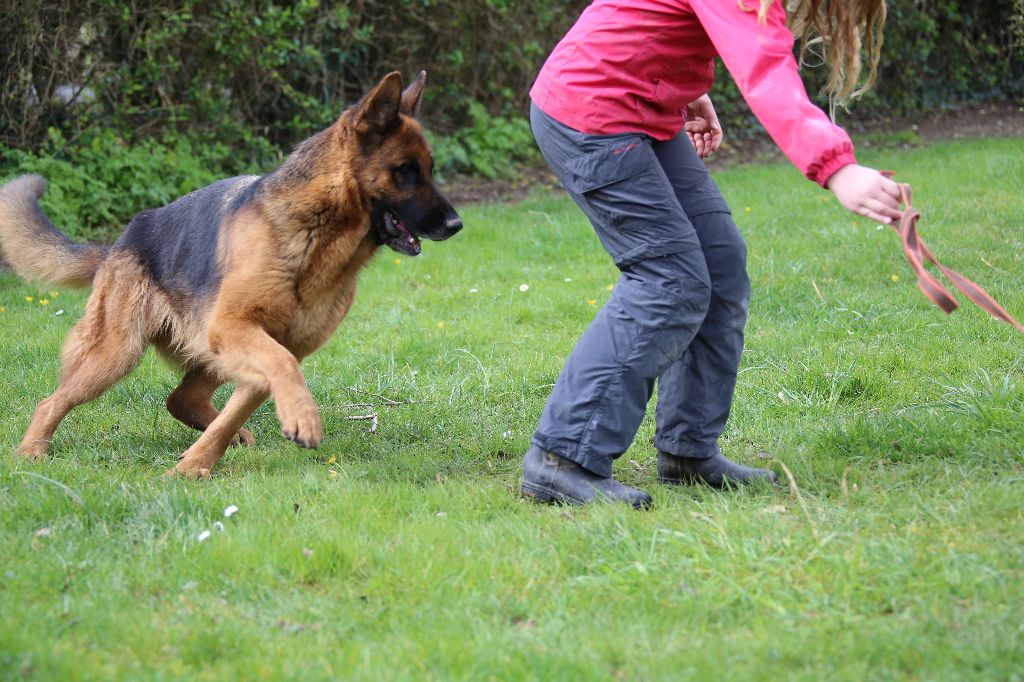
[(937, 55), (489, 146), (259, 76), (95, 191), (228, 71)]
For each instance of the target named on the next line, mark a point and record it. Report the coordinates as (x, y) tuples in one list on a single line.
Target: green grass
[(406, 553), (896, 138)]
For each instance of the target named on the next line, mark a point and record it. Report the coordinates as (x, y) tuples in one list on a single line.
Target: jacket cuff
[(829, 162)]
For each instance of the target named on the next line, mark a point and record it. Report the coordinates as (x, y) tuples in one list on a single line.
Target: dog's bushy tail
[(34, 247)]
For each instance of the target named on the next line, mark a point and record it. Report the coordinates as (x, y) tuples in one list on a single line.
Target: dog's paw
[(36, 450), (196, 462), (300, 423), (186, 469), (244, 437)]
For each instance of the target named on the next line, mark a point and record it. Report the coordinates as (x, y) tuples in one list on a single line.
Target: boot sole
[(547, 495), (727, 483)]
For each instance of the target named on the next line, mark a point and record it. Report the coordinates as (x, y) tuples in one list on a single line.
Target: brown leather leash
[(917, 252)]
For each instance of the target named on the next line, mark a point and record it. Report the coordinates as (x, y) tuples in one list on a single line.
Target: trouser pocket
[(625, 193)]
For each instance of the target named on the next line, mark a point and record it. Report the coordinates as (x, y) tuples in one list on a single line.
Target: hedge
[(256, 76)]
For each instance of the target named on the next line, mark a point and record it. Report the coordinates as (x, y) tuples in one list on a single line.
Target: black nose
[(453, 224)]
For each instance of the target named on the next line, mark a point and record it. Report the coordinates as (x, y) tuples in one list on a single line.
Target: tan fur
[(191, 403), (103, 347), (289, 260), (33, 246)]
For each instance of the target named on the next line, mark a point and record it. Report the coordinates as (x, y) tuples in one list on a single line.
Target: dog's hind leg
[(199, 459), (190, 403), (103, 347)]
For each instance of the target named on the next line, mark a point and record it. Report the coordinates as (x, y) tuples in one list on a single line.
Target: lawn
[(404, 552)]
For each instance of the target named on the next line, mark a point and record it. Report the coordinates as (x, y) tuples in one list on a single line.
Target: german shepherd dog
[(240, 280)]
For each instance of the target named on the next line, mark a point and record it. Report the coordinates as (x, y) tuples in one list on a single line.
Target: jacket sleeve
[(760, 59)]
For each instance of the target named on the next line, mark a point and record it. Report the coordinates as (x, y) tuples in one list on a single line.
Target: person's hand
[(866, 192), (702, 127)]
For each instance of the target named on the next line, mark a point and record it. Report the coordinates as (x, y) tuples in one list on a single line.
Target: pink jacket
[(634, 65)]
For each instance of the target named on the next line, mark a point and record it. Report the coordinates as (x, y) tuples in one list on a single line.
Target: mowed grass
[(406, 553)]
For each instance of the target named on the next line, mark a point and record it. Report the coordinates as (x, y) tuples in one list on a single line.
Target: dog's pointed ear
[(412, 96), (378, 110)]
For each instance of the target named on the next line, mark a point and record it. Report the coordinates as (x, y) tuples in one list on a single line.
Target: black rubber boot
[(716, 471), (550, 478)]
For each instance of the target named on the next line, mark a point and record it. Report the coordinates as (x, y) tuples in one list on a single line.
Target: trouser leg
[(655, 310), (695, 393), (601, 396)]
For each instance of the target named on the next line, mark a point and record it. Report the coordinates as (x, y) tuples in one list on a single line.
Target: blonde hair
[(842, 28)]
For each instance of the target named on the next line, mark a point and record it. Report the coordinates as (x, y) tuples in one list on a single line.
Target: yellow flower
[(591, 301), (54, 294), (333, 474), (44, 301), (609, 287), (895, 278), (440, 325), (29, 299), (3, 309), (747, 209), (332, 459), (398, 261)]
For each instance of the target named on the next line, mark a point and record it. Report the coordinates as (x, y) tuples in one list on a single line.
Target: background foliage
[(178, 92), (937, 55)]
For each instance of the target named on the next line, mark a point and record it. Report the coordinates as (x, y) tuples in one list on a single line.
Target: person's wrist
[(835, 176)]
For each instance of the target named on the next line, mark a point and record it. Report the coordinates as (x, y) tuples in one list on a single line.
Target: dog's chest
[(323, 298), (316, 318)]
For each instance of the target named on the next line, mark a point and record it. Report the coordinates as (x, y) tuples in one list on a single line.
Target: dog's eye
[(407, 174)]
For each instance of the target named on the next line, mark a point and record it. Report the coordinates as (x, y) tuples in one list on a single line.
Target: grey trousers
[(676, 315)]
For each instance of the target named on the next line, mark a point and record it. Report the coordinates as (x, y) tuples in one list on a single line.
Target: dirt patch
[(996, 120), (474, 190)]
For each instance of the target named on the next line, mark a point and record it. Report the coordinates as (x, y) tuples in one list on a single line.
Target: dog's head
[(394, 168)]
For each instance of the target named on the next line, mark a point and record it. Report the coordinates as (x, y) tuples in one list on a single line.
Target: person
[(620, 112)]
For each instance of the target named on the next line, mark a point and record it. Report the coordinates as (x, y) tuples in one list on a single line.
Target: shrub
[(259, 76), (489, 146), (937, 55), (97, 188)]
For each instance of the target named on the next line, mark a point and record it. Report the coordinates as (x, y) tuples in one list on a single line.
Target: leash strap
[(917, 252)]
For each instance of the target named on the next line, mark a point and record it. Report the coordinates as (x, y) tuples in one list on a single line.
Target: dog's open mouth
[(398, 236)]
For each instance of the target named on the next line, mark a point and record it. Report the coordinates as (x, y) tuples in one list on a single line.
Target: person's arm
[(760, 59)]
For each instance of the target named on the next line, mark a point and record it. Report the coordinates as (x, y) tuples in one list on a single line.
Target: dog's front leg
[(246, 352)]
